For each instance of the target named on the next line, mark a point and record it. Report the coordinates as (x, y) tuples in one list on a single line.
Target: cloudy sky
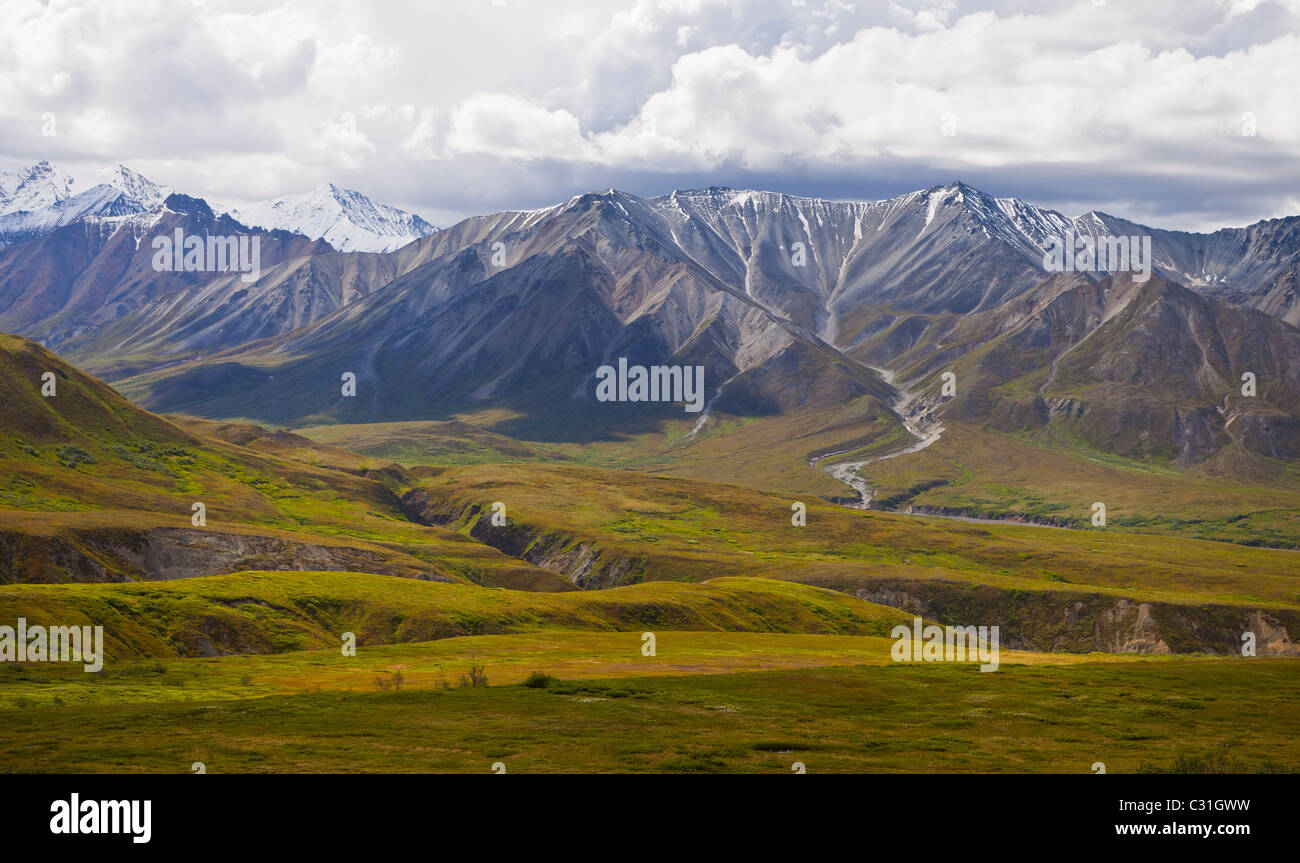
[(1177, 114)]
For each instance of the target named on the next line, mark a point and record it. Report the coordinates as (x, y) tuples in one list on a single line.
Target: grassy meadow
[(523, 642), (1235, 715), (747, 675)]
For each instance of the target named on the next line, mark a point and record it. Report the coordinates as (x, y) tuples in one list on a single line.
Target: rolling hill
[(99, 490)]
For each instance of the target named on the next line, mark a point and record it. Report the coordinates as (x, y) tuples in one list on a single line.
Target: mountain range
[(833, 320), (41, 198)]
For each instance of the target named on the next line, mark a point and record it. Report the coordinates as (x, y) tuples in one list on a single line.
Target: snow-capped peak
[(43, 186), (346, 219), (40, 186), (137, 186), (43, 197)]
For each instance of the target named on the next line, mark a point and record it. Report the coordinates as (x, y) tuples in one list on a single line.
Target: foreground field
[(1206, 715), (747, 675), (500, 659)]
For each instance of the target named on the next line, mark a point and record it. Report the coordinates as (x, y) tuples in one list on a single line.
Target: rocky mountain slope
[(68, 283), (1137, 369), (788, 303)]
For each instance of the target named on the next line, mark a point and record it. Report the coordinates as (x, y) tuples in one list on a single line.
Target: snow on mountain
[(138, 187), (36, 188), (36, 200), (349, 221), (1021, 225), (950, 248)]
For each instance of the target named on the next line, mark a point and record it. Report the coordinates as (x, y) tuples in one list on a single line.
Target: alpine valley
[(396, 432)]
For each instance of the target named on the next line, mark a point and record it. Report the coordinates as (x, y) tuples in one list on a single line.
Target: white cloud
[(467, 106), (509, 127), (422, 142)]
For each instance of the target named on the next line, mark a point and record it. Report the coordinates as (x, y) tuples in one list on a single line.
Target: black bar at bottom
[(638, 814)]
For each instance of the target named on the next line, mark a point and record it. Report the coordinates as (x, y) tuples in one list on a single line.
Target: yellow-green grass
[(430, 442), (267, 612), (888, 718), (689, 530), (130, 470), (1045, 477), (504, 659), (978, 472), (234, 486), (769, 452), (405, 548), (85, 459)]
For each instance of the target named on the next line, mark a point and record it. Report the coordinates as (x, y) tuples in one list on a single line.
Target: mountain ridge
[(791, 303), (348, 220), (38, 199), (517, 309)]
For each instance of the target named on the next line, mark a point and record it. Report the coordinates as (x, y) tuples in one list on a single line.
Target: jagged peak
[(347, 219), (178, 203)]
